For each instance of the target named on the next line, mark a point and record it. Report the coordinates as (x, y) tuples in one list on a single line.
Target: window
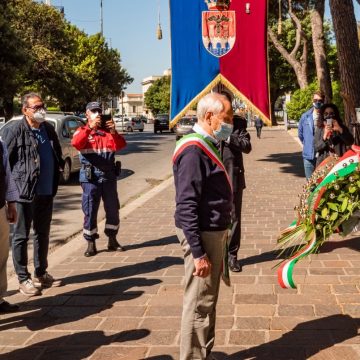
[(71, 126), (134, 109)]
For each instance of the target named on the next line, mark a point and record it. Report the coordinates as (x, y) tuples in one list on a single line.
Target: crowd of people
[(209, 180), (29, 176)]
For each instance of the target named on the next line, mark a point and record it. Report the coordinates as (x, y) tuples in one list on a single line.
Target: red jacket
[(97, 148)]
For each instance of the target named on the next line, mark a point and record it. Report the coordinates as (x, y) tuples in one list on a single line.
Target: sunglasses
[(329, 114), (96, 111), (37, 107)]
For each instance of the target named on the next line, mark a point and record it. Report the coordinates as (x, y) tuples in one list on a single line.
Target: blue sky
[(130, 26)]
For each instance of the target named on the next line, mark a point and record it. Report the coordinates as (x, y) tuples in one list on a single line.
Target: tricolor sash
[(206, 146)]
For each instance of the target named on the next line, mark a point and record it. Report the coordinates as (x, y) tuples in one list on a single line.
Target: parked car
[(125, 124), (292, 124), (161, 123), (65, 126), (184, 126)]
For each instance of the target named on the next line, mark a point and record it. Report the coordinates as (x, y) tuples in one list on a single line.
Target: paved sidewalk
[(128, 305)]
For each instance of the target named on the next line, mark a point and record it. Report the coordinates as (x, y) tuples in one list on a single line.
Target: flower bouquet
[(329, 203)]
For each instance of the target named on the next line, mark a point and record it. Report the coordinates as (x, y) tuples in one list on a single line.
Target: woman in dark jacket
[(332, 137)]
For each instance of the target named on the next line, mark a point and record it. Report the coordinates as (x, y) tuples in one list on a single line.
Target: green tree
[(13, 59), (157, 98), (64, 64), (301, 100)]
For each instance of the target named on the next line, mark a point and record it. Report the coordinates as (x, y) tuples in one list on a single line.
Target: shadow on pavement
[(329, 246), (304, 341), (85, 301), (292, 163), (75, 346), (158, 242)]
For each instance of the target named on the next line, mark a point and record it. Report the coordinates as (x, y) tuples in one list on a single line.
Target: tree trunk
[(299, 66), (345, 28), (322, 68)]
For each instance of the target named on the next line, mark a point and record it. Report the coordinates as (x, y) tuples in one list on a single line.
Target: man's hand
[(11, 213), (202, 267), (96, 123), (110, 125)]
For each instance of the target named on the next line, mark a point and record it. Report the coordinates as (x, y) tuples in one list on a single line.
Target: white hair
[(213, 102)]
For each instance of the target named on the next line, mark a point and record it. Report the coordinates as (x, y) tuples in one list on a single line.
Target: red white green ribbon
[(285, 271), (207, 147)]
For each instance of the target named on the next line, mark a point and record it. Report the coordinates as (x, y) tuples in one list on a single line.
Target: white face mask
[(94, 115), (39, 116)]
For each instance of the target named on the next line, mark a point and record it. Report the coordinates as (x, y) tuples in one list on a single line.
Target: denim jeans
[(39, 213), (309, 166)]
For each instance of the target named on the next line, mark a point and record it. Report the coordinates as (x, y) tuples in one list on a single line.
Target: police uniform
[(98, 176)]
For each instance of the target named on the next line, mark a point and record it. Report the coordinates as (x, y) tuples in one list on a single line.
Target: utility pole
[(101, 18)]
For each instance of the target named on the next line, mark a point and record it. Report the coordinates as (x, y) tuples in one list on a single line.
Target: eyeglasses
[(329, 114), (37, 107)]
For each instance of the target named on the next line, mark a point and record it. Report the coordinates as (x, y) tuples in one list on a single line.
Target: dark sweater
[(203, 197)]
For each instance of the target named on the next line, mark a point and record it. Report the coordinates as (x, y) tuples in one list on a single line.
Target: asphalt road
[(146, 161)]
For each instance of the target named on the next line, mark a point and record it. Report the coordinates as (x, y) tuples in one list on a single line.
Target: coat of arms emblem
[(218, 27)]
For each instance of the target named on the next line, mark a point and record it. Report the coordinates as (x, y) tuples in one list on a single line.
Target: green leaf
[(333, 206), (324, 212), (334, 216), (352, 189), (344, 205)]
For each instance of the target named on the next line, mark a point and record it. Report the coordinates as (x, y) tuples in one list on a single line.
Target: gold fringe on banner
[(220, 79), (195, 100)]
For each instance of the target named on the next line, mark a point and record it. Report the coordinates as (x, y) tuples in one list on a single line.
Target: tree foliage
[(157, 98), (301, 100), (55, 58)]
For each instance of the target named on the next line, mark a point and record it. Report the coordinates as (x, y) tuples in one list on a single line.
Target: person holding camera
[(332, 137), (97, 142)]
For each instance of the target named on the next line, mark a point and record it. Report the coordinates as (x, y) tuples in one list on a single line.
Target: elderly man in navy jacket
[(202, 217)]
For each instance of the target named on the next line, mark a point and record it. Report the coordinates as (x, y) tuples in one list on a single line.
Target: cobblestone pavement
[(128, 305)]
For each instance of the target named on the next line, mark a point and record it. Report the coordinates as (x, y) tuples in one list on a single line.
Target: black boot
[(91, 249), (113, 244), (234, 265)]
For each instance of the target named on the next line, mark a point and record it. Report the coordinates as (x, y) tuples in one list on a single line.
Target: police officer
[(97, 143)]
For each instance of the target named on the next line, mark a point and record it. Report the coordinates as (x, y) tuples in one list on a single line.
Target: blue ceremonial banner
[(218, 42)]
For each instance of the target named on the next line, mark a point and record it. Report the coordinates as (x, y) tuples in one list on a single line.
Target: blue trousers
[(309, 167), (92, 194)]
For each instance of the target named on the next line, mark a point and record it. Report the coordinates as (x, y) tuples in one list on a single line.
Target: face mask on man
[(224, 132), (39, 116), (94, 115), (318, 104)]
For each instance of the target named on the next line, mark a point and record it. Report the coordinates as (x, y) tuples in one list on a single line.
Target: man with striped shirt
[(8, 195)]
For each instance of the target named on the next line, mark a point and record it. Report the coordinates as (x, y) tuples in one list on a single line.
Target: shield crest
[(218, 31)]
